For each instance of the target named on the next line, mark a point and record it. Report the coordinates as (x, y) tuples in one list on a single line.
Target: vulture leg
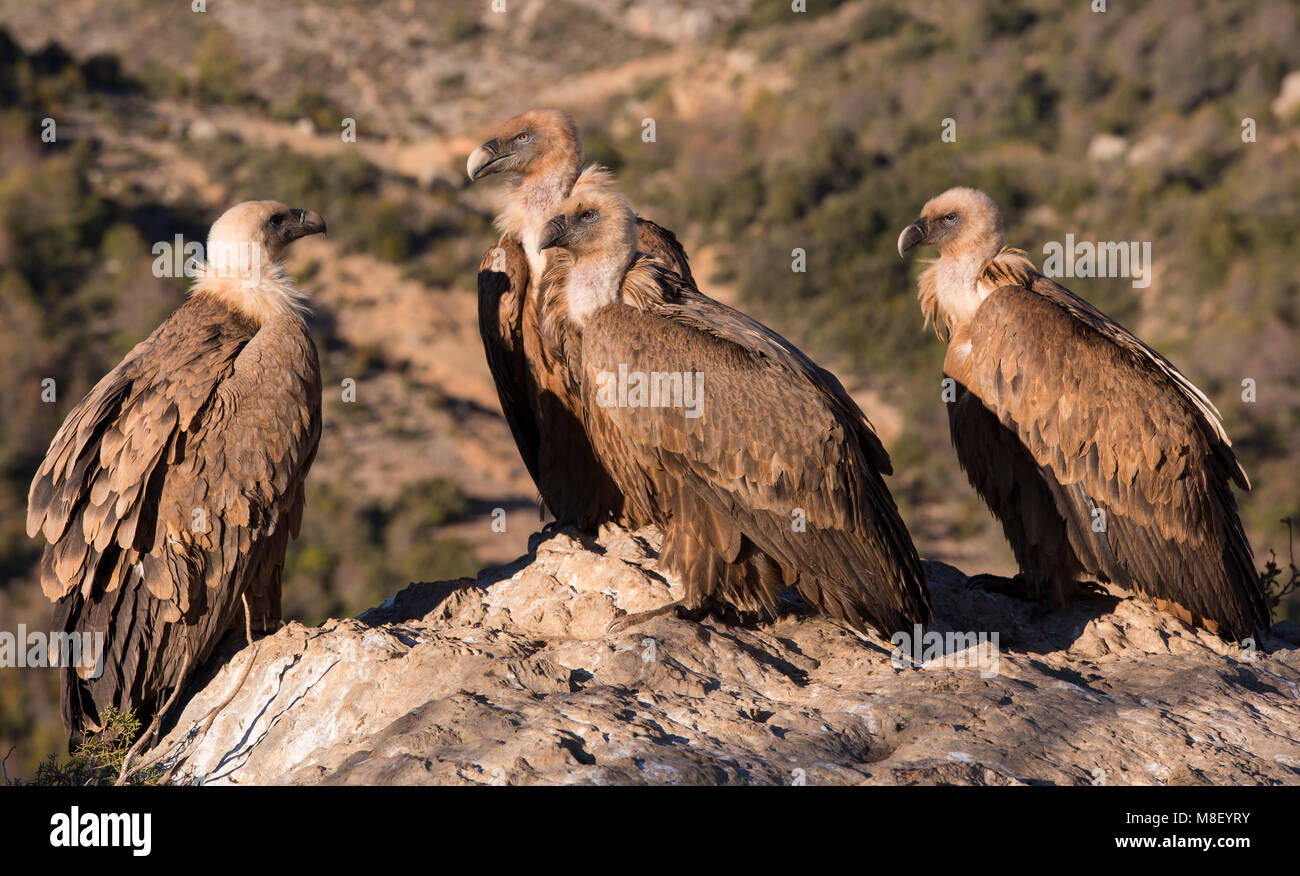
[(243, 676), (1017, 586), (1020, 587)]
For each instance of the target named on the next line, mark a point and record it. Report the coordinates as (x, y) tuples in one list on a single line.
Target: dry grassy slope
[(381, 62)]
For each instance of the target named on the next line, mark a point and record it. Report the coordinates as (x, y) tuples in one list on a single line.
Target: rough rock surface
[(512, 678)]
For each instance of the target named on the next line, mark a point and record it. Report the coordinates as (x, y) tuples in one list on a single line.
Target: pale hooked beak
[(484, 160), (556, 233), (912, 235), (304, 222)]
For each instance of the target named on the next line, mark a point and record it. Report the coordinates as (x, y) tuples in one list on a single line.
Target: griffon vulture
[(541, 148), (757, 465), (1097, 455), (171, 490)]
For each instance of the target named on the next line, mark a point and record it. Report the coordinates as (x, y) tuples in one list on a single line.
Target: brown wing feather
[(682, 301), (170, 492), (573, 480), (662, 245), (539, 394), (502, 291), (536, 380), (1206, 415), (774, 443), (1015, 487), (1115, 428)]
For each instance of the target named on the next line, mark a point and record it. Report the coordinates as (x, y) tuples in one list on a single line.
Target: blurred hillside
[(774, 130)]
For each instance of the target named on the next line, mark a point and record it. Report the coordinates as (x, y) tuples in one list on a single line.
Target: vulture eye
[(277, 220), (950, 219), (522, 137), (590, 216)]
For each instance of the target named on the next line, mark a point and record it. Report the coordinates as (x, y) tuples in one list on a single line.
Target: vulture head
[(960, 222), (257, 229), (538, 143), (245, 248), (594, 224), (596, 227)]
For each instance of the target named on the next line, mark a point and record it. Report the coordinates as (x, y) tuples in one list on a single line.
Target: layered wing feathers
[(167, 492), (1134, 454), (778, 457)]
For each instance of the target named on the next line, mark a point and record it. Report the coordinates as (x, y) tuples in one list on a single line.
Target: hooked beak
[(912, 235), (556, 233), (483, 160), (303, 223)]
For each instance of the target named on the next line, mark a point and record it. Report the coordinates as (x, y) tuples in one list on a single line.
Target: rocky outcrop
[(513, 678)]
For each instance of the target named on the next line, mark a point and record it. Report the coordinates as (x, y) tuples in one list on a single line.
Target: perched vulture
[(172, 489), (757, 465), (1098, 456), (542, 150)]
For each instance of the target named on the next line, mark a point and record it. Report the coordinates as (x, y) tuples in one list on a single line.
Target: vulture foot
[(1083, 590), (1019, 587)]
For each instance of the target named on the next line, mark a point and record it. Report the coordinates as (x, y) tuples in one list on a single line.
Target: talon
[(1095, 588)]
